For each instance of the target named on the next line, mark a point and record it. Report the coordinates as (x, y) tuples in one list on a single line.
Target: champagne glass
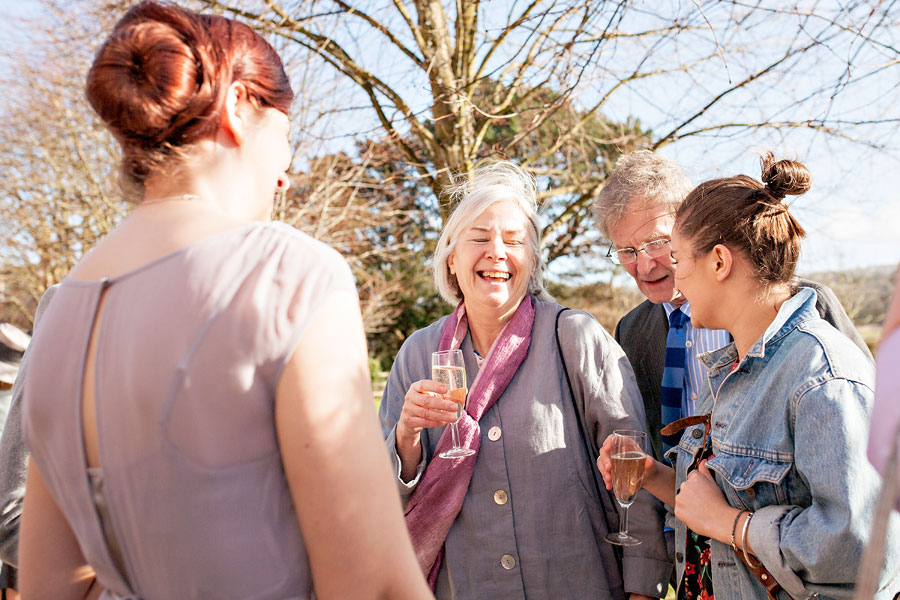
[(447, 367), (628, 460)]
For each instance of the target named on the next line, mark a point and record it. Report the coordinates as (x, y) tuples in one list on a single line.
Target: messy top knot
[(159, 82), (749, 217), (784, 177)]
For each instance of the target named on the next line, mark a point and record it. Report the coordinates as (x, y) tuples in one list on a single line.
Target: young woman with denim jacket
[(787, 485)]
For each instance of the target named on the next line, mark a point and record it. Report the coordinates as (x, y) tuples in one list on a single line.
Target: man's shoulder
[(641, 314), (819, 287), (831, 310), (826, 300), (644, 322)]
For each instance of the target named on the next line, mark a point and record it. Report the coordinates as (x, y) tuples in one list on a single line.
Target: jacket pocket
[(751, 482)]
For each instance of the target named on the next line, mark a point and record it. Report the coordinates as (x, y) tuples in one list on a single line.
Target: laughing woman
[(774, 490), (522, 517)]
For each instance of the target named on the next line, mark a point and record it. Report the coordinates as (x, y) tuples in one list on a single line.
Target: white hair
[(488, 185), (641, 179)]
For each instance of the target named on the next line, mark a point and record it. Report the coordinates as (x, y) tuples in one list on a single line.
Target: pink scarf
[(438, 498)]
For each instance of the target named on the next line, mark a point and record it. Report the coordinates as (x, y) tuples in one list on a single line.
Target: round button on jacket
[(501, 497), (494, 433), (696, 434), (508, 561)]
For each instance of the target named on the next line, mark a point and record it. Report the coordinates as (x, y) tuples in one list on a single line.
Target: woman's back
[(189, 350)]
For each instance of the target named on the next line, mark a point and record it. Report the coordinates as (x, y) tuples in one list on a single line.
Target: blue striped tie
[(673, 377)]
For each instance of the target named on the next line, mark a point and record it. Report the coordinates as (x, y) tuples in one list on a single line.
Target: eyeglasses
[(626, 256)]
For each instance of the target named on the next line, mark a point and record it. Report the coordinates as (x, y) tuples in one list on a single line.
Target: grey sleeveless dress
[(190, 499)]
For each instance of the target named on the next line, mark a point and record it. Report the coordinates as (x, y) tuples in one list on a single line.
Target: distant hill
[(865, 293)]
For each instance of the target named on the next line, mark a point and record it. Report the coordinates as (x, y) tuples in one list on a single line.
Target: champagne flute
[(447, 367), (628, 460)]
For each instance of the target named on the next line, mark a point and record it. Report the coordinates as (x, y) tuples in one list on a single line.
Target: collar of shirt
[(698, 341), (685, 308)]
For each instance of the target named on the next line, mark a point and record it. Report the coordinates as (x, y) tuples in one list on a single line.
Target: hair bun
[(146, 82), (784, 177), (159, 83)]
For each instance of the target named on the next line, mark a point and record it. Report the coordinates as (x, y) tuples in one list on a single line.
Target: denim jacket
[(788, 430)]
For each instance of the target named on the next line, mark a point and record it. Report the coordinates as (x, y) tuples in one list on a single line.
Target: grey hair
[(640, 179), (473, 195)]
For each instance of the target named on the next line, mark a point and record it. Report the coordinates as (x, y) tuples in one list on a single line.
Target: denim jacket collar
[(798, 308)]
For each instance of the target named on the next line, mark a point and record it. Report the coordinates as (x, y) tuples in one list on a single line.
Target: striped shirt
[(697, 342)]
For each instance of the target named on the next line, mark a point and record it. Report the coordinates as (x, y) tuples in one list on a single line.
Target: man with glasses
[(636, 210)]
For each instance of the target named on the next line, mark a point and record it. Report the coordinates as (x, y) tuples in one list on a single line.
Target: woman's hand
[(701, 506), (423, 406), (604, 462), (659, 479)]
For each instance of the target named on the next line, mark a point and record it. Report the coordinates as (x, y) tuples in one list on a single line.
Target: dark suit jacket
[(642, 334)]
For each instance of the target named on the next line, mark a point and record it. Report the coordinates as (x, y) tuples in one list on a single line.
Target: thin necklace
[(178, 198)]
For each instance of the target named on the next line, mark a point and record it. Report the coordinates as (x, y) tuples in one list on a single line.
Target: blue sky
[(851, 214)]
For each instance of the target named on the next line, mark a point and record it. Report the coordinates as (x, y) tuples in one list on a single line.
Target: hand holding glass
[(447, 367), (628, 460)]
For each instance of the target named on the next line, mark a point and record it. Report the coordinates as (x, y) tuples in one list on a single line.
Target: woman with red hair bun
[(197, 403)]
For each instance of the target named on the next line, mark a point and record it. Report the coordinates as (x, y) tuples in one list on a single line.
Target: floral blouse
[(696, 584)]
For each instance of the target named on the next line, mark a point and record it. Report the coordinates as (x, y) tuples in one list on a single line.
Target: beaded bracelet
[(745, 554), (734, 529)]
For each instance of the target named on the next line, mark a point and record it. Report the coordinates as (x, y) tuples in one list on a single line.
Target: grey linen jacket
[(14, 459), (531, 522), (642, 334)]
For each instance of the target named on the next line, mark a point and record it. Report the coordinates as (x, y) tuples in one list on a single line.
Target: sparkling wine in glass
[(447, 367), (628, 460)]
